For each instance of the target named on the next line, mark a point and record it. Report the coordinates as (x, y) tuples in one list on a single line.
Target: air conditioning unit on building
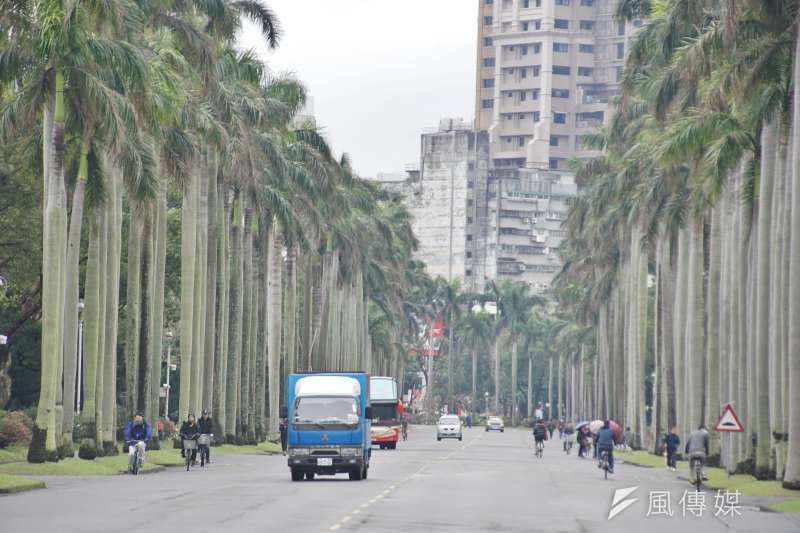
[(521, 268), (541, 238), (526, 221)]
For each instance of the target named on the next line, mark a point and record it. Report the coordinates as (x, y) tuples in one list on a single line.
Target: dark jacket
[(189, 431), (206, 426), (672, 441), (605, 439), (540, 432), (134, 432)]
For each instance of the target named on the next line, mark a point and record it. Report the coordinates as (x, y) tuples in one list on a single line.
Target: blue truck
[(328, 430)]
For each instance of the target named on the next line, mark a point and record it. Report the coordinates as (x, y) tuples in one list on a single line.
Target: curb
[(34, 485)]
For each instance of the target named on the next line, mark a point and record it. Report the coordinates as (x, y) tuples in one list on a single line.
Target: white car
[(495, 423), (449, 427)]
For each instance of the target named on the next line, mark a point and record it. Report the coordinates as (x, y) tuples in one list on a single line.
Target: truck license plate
[(324, 461)]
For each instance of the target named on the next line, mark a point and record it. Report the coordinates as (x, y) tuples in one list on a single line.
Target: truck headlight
[(299, 451), (351, 451)]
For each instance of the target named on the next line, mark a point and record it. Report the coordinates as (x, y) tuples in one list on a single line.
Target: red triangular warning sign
[(729, 421)]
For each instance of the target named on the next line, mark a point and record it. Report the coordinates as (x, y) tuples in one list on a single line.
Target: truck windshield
[(322, 410)]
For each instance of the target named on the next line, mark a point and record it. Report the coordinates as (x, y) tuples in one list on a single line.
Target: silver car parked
[(449, 427)]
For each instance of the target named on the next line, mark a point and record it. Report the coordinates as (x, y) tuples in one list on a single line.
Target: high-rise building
[(546, 70), (489, 198)]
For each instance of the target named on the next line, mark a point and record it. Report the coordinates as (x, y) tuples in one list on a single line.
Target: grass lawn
[(13, 453), (10, 484), (719, 479), (787, 506), (102, 466), (261, 448)]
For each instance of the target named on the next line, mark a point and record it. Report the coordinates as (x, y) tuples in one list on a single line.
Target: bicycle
[(539, 448), (136, 460), (697, 472), (568, 446), (203, 444), (603, 463), (189, 445)]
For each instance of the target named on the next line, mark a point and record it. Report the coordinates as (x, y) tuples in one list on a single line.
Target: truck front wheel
[(297, 475), (356, 475)]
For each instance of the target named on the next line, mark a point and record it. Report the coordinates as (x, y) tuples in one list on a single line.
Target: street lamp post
[(486, 402)]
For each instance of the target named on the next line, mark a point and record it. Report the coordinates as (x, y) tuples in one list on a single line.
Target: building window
[(522, 116), (586, 48), (554, 140), (562, 2), (620, 50), (523, 73), (526, 4), (488, 2), (537, 24), (524, 26), (561, 24), (560, 93), (537, 3), (487, 21), (621, 28), (560, 118), (488, 83), (470, 184), (584, 71), (524, 49), (619, 73), (637, 23), (535, 94), (561, 70), (469, 237), (522, 96), (553, 163), (521, 140), (487, 41), (487, 104), (536, 69), (561, 47), (469, 256), (587, 24), (587, 3), (469, 203), (537, 47), (469, 220), (488, 61), (469, 272), (509, 116), (536, 116)]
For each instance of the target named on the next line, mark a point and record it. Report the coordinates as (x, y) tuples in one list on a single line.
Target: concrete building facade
[(546, 70)]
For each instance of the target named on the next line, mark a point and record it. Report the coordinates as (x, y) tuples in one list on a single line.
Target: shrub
[(15, 427)]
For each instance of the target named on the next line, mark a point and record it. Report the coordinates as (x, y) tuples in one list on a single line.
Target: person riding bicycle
[(697, 447), (206, 427), (605, 443), (404, 424), (189, 431), (137, 434), (539, 433)]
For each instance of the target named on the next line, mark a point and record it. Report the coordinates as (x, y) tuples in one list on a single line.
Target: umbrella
[(595, 426), (581, 424), (617, 431)]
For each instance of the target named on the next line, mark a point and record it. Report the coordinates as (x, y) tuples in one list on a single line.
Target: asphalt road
[(487, 482)]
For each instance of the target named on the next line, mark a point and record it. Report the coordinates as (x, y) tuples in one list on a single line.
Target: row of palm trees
[(288, 261), (683, 253)]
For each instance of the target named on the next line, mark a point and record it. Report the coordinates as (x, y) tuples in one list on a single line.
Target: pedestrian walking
[(283, 427), (671, 442)]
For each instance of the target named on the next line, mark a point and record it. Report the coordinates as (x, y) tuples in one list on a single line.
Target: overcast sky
[(379, 71)]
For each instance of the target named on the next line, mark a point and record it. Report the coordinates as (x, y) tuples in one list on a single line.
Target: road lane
[(487, 482)]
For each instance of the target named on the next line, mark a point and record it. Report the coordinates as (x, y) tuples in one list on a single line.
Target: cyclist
[(697, 447), (539, 433), (189, 431), (605, 443), (404, 425), (137, 434), (206, 427)]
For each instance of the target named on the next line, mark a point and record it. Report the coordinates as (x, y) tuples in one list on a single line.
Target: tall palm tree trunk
[(769, 140), (274, 304), (71, 302), (235, 335), (188, 262)]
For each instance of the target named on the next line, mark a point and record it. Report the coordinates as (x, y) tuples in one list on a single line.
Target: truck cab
[(329, 417)]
